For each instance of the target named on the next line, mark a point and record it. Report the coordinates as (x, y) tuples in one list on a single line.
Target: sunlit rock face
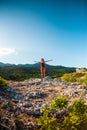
[(21, 101)]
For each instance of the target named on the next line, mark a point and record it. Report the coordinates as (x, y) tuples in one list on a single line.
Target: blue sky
[(52, 29)]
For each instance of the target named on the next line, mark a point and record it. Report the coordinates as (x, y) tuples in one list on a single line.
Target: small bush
[(48, 122), (75, 117), (69, 77), (75, 77), (3, 82), (85, 79)]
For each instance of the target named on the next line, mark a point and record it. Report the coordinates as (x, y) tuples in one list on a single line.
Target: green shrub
[(85, 80), (47, 123), (75, 77), (59, 102), (3, 82), (69, 77), (75, 117), (50, 122)]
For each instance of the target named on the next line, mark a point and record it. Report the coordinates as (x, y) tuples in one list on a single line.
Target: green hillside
[(26, 71), (75, 77)]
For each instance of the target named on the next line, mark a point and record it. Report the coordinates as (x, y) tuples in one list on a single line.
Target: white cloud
[(6, 51)]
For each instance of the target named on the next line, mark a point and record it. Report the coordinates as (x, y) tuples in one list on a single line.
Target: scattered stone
[(28, 97), (27, 105)]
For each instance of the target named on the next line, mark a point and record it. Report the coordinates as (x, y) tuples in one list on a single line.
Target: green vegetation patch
[(74, 117), (3, 82), (75, 77)]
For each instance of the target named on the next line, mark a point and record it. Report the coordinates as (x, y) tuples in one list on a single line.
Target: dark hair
[(42, 59)]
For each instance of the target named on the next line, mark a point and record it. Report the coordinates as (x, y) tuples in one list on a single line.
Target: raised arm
[(37, 61), (48, 60)]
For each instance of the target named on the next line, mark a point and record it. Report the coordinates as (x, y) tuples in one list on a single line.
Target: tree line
[(20, 73)]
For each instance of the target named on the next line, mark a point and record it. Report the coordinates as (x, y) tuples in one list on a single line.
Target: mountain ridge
[(35, 65)]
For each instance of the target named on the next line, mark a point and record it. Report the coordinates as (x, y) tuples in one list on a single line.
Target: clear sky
[(49, 29)]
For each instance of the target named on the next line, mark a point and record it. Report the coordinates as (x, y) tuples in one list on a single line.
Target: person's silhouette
[(43, 67)]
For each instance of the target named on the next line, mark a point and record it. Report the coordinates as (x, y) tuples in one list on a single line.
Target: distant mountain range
[(5, 64), (36, 65)]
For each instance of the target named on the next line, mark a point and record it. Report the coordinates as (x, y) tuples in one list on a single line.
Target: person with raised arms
[(43, 67)]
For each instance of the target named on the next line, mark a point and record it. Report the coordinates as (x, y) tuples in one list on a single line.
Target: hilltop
[(21, 102)]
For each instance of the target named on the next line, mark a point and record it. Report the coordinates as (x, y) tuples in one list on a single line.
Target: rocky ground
[(20, 102)]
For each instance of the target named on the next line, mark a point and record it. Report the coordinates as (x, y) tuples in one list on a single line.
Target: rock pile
[(21, 101)]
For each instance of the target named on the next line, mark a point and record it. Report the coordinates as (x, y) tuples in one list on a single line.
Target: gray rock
[(47, 78), (27, 105), (36, 112), (29, 112), (8, 123), (84, 87), (37, 94), (34, 81)]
